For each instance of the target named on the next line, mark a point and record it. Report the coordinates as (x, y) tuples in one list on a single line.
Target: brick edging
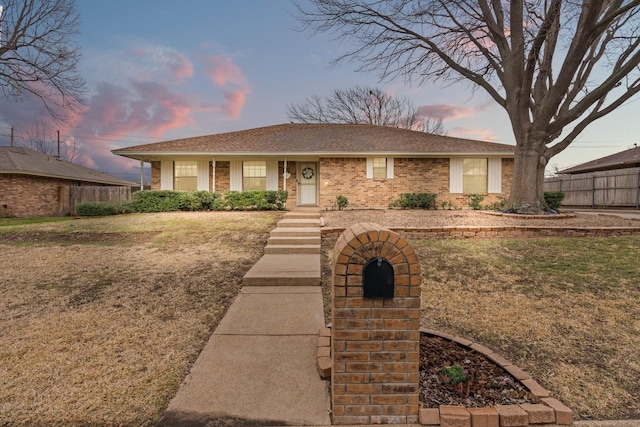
[(466, 232), (520, 216), (550, 411)]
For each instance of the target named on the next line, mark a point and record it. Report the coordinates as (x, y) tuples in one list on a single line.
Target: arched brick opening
[(375, 341)]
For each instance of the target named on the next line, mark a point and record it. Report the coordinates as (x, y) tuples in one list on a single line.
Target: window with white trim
[(254, 176), (379, 167), (185, 175), (474, 176)]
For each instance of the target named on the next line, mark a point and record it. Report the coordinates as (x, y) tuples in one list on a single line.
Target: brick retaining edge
[(468, 232), (549, 412)]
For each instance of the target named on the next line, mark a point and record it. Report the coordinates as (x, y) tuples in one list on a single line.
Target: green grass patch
[(5, 222)]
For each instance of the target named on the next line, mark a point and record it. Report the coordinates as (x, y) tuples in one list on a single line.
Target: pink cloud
[(223, 71), (147, 108), (445, 112), (235, 100), (479, 134), (182, 68), (226, 74), (155, 62)]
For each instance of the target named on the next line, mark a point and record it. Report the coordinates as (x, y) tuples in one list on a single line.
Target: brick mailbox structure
[(375, 336)]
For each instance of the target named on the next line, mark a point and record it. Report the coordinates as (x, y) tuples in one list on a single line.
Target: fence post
[(593, 191), (638, 190), (63, 200)]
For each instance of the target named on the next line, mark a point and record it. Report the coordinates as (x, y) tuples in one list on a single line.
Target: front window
[(254, 176), (379, 167), (185, 176), (474, 176)]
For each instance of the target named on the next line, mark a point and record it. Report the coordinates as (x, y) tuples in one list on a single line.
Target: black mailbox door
[(378, 279)]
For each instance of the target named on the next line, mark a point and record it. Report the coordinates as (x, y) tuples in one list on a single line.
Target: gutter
[(313, 153)]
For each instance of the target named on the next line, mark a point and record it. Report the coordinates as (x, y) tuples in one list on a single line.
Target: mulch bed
[(487, 384)]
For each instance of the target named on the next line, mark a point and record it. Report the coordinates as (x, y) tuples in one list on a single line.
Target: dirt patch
[(485, 383)]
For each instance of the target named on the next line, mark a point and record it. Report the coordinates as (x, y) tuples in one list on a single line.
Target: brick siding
[(347, 176), (411, 175), (29, 195)]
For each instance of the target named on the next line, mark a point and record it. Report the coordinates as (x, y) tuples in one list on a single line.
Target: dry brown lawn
[(100, 319)]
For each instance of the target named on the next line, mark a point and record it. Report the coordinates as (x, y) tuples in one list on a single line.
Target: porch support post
[(284, 175), (141, 175)]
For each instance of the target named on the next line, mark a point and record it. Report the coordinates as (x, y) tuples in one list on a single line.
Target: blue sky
[(159, 70)]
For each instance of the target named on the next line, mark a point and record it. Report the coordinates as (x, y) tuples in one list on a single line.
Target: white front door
[(307, 180)]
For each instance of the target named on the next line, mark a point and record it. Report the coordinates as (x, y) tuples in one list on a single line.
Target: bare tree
[(555, 66), (41, 137), (360, 105), (37, 53)]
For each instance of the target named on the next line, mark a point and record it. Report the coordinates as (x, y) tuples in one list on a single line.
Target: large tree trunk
[(527, 192)]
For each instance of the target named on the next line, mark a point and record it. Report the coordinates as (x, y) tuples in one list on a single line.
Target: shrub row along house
[(369, 165), (35, 184)]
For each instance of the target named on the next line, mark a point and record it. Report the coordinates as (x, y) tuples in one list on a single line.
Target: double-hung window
[(254, 176), (379, 167), (474, 176), (185, 175)]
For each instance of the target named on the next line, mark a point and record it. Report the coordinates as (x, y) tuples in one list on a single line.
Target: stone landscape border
[(549, 412), (467, 232)]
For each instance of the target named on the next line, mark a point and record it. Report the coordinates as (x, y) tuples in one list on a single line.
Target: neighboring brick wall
[(411, 175), (29, 195), (375, 342)]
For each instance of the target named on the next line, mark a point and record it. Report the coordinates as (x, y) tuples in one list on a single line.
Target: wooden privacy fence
[(615, 188), (69, 196)]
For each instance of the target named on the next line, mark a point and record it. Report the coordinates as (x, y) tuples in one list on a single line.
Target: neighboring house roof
[(23, 161), (624, 159), (340, 140)]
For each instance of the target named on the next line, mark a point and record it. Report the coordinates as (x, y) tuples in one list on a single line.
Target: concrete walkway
[(259, 366)]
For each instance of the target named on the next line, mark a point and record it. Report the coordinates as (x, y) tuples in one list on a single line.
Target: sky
[(159, 70)]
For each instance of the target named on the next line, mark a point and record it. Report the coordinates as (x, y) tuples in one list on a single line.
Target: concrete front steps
[(292, 254)]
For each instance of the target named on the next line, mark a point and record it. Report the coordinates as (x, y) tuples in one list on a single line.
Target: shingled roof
[(23, 161), (319, 139), (624, 159)]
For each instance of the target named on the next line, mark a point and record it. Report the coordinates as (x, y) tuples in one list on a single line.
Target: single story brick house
[(370, 165), (33, 183)]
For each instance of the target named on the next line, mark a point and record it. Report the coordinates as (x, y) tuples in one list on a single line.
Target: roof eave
[(145, 154), (69, 178)]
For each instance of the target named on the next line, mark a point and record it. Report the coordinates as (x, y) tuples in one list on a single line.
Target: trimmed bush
[(553, 199), (415, 201), (256, 200), (170, 201), (155, 201), (102, 208)]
